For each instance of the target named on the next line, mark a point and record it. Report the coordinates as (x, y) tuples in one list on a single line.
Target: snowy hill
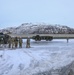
[(43, 58), (38, 28)]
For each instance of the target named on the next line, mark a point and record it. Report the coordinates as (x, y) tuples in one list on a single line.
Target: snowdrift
[(43, 58)]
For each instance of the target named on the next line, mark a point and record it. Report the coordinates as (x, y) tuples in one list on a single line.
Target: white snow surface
[(42, 56)]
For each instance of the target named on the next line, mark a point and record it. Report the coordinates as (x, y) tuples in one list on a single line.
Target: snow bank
[(49, 58)]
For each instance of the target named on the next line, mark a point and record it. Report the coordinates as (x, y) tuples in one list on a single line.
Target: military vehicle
[(39, 38), (4, 38)]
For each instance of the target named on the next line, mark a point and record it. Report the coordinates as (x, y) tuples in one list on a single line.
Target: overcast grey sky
[(16, 12)]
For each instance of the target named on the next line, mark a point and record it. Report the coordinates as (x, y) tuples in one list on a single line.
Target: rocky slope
[(38, 28)]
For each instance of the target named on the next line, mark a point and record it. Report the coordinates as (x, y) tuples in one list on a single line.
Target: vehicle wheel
[(50, 38), (38, 38), (47, 39)]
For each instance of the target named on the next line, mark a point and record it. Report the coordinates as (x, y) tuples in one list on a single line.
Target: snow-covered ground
[(42, 57)]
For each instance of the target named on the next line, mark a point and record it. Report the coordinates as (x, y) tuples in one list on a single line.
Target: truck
[(39, 38), (4, 38)]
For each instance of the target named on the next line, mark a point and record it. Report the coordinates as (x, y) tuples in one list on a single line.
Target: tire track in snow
[(29, 54), (5, 65)]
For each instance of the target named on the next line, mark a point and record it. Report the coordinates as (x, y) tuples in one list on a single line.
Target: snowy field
[(42, 57)]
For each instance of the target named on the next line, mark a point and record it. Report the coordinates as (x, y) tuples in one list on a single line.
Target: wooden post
[(67, 40)]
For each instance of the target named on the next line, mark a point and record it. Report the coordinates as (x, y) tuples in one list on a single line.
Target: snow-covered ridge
[(38, 28)]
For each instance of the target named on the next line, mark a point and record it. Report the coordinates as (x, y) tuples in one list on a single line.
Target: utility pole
[(67, 40)]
